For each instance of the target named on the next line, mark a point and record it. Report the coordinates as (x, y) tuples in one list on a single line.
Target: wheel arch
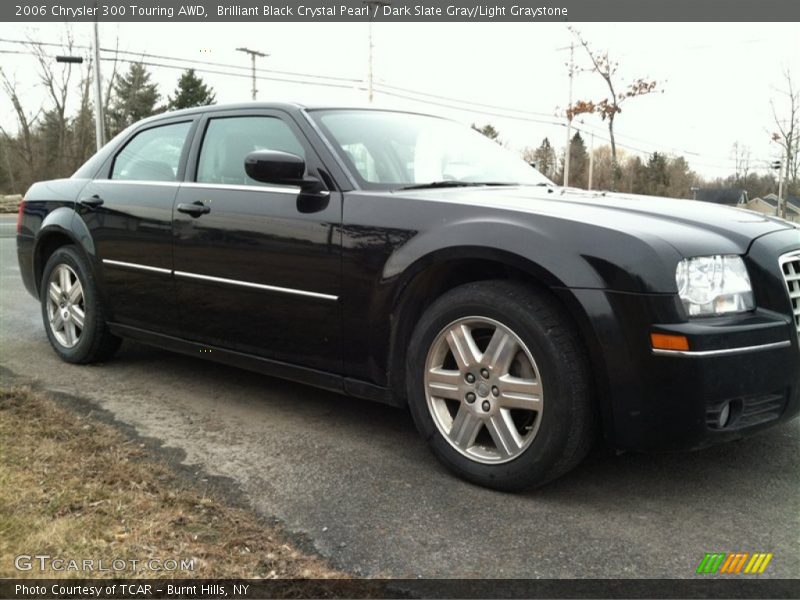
[(60, 228), (431, 276)]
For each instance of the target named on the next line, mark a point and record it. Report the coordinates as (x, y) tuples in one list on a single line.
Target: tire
[(514, 409), (73, 317)]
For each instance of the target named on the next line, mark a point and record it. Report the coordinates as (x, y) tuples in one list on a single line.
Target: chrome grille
[(790, 265)]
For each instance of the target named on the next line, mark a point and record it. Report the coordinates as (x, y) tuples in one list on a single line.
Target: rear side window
[(228, 140), (152, 155)]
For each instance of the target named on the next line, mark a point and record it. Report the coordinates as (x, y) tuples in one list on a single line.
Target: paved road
[(8, 225), (356, 480)]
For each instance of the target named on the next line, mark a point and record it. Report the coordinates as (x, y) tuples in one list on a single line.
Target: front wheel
[(72, 314), (498, 384)]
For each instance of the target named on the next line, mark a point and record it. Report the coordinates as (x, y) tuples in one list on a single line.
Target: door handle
[(92, 201), (195, 209)]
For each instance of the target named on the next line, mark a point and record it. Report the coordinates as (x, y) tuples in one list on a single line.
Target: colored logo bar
[(734, 563)]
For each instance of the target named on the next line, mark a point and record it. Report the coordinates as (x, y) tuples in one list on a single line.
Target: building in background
[(768, 206), (726, 196)]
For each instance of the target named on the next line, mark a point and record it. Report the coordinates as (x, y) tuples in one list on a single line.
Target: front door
[(257, 267)]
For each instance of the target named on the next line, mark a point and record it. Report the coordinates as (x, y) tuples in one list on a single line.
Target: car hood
[(691, 227)]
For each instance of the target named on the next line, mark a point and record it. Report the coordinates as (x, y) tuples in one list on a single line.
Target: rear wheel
[(73, 316), (499, 385)]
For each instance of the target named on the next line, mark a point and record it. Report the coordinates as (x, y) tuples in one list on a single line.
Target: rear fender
[(61, 223)]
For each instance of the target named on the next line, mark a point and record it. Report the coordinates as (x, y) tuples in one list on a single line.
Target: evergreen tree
[(544, 157), (638, 176), (51, 139), (657, 176), (489, 131), (578, 162), (191, 91), (135, 97)]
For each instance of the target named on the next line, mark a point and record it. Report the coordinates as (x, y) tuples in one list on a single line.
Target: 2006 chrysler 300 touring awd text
[(407, 259)]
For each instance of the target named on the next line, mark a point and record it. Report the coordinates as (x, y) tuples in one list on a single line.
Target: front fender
[(573, 255)]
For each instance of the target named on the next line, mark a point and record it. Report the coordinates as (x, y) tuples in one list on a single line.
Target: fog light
[(724, 416)]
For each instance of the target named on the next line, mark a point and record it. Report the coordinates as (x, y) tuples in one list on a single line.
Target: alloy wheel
[(66, 312), (483, 390)]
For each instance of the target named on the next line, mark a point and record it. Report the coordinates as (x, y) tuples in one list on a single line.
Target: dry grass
[(73, 487), (10, 204)]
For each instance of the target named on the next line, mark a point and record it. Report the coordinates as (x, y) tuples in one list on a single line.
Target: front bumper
[(667, 400), (752, 365)]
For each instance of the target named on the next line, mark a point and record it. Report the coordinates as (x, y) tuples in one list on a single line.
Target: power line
[(649, 152), (227, 65), (468, 109), (244, 75), (470, 102), (384, 88), (186, 60), (582, 129), (380, 86)]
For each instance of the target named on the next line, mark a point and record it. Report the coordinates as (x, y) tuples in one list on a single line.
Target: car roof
[(286, 106)]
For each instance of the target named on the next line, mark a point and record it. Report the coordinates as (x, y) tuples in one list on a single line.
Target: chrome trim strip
[(139, 182), (258, 286), (127, 265), (722, 352), (294, 191)]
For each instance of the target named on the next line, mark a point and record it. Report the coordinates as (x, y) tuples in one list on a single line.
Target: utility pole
[(253, 54), (373, 6), (569, 113), (98, 111), (99, 118), (778, 164), (591, 161)]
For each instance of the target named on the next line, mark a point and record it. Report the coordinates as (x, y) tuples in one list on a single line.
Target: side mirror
[(280, 168)]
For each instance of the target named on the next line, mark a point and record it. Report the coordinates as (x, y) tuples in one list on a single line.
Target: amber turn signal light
[(664, 341)]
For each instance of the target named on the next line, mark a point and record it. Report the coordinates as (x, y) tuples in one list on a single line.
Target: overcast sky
[(717, 79)]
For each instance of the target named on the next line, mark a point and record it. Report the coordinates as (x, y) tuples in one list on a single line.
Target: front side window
[(388, 150), (152, 155), (228, 140)]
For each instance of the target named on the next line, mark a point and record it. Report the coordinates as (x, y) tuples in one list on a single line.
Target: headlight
[(713, 285)]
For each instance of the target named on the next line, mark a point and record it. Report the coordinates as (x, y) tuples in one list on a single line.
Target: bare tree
[(23, 144), (608, 108), (741, 159), (788, 134), (56, 82), (56, 137)]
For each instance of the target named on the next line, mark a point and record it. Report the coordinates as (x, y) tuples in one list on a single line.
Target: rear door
[(258, 269), (128, 210)]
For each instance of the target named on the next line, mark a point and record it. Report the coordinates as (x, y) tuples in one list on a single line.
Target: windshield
[(392, 150)]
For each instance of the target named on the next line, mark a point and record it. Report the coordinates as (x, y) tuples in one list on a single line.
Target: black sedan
[(407, 259)]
